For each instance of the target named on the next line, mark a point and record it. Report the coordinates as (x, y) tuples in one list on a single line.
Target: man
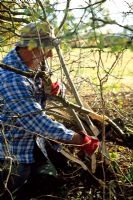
[(23, 114)]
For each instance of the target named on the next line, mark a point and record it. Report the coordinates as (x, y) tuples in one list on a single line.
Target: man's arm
[(20, 101)]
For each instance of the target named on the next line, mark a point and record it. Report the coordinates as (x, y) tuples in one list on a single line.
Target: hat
[(38, 34)]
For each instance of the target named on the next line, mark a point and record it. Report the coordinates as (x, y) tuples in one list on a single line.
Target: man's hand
[(86, 143), (57, 88), (89, 144)]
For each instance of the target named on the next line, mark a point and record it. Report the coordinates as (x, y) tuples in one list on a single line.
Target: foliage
[(71, 23), (130, 174)]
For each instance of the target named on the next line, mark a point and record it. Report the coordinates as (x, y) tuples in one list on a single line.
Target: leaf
[(32, 44), (25, 29), (114, 156), (120, 148), (116, 48), (45, 26)]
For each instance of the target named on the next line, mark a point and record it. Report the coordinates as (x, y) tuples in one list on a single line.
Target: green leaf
[(116, 48), (114, 156), (32, 44)]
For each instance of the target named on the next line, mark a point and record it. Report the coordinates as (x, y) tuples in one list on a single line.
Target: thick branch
[(88, 112), (28, 74)]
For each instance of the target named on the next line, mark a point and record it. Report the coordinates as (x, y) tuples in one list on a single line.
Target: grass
[(88, 64)]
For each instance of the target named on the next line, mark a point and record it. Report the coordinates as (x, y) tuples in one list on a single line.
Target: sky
[(115, 7)]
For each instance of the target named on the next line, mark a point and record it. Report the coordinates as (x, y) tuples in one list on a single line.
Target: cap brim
[(47, 42)]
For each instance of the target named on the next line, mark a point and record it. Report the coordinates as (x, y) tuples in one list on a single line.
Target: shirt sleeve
[(20, 101)]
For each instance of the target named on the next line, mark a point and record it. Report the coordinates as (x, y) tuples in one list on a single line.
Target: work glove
[(57, 88), (90, 144)]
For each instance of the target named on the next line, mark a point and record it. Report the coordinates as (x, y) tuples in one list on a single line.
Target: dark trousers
[(27, 179), (18, 176)]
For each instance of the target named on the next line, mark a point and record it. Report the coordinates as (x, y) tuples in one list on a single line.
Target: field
[(91, 64)]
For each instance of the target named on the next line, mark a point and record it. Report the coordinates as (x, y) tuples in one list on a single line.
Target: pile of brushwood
[(110, 175)]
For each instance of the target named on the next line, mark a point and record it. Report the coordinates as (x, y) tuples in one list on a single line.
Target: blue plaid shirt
[(22, 114)]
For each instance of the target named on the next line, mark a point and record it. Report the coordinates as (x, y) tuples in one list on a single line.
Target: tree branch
[(10, 19), (30, 74), (43, 9), (112, 22), (65, 16)]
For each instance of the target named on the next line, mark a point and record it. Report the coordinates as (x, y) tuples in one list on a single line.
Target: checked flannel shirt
[(21, 113)]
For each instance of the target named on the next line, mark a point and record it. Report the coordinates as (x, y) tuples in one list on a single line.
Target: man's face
[(39, 55)]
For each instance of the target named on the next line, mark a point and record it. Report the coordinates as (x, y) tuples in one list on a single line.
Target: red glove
[(90, 144), (55, 88), (58, 88)]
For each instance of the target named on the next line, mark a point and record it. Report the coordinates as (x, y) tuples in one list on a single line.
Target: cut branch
[(91, 113)]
